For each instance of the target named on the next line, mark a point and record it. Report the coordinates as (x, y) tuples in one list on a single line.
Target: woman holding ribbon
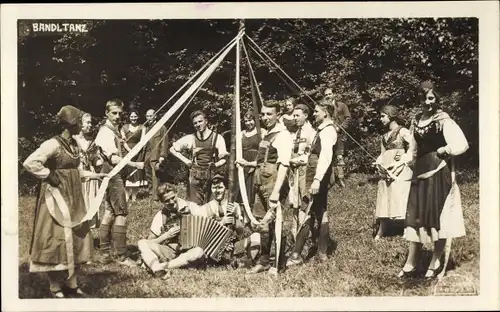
[(392, 195), (60, 241), (434, 212)]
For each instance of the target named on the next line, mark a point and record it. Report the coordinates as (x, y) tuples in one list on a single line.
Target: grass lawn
[(359, 266)]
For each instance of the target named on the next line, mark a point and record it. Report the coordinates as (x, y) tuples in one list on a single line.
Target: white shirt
[(157, 222), (186, 143), (283, 143), (211, 209), (307, 135), (328, 137), (105, 139)]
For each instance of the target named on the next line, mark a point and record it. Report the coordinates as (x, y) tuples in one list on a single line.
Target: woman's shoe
[(407, 273), (58, 294), (433, 272), (75, 292)]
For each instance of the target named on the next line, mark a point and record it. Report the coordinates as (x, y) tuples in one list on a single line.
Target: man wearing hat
[(109, 141), (341, 118)]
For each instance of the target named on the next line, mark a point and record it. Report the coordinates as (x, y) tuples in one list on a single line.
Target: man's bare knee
[(195, 254), (142, 244), (108, 217)]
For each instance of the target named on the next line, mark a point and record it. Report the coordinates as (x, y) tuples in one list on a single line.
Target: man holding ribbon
[(115, 216), (318, 171), (303, 137), (273, 160)]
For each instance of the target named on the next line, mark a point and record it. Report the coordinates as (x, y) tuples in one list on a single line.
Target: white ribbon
[(51, 194), (102, 189), (241, 175)]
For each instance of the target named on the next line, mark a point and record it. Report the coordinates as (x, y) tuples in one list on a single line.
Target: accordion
[(208, 234)]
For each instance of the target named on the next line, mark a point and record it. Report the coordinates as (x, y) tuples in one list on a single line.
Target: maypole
[(232, 186)]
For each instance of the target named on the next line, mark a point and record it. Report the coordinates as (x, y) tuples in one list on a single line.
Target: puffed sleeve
[(35, 163), (456, 143), (411, 153)]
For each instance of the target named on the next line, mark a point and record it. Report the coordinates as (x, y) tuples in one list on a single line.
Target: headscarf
[(70, 116)]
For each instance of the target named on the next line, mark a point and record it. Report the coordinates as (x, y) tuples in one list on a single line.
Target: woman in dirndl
[(392, 194), (434, 211), (60, 241), (132, 133), (89, 160), (250, 147)]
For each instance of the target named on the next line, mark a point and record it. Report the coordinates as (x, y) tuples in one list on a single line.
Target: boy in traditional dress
[(109, 141), (208, 156), (318, 173)]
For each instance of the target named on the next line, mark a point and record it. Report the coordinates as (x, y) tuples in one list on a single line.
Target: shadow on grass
[(93, 282)]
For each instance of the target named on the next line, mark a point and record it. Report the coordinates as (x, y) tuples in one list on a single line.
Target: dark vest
[(207, 152), (267, 153)]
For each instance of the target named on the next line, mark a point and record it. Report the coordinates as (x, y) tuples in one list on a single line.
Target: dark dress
[(434, 208), (134, 177), (250, 148), (52, 243)]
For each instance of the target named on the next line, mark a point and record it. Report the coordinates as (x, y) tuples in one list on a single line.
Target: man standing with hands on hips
[(208, 156)]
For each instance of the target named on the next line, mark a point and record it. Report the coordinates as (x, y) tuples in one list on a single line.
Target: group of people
[(291, 149)]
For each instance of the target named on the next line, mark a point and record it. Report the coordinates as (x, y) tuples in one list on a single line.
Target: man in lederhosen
[(341, 117), (302, 140), (273, 160), (208, 152), (317, 179), (115, 216)]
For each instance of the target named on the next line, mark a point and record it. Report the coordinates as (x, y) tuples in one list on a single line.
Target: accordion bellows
[(208, 234)]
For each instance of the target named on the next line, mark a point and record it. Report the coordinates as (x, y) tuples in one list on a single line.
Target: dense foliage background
[(368, 62)]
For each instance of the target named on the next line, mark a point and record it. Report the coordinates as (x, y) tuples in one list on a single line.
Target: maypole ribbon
[(102, 189), (239, 152)]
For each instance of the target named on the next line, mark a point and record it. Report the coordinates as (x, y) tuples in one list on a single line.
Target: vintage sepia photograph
[(250, 157)]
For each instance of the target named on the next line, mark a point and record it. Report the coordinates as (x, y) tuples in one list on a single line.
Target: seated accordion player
[(208, 234)]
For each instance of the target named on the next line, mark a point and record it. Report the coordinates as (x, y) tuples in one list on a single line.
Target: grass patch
[(359, 266)]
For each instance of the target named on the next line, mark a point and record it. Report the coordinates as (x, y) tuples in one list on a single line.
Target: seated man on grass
[(163, 241)]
